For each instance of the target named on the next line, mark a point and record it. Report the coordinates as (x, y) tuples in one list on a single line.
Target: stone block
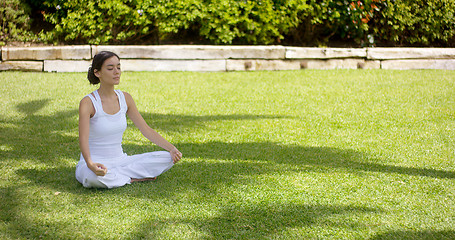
[(410, 53), (46, 53), (173, 65), (194, 52), (324, 53), (370, 64), (333, 64), (254, 65), (409, 64), (66, 65), (21, 66)]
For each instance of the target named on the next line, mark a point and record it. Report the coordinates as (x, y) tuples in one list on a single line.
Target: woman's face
[(110, 71)]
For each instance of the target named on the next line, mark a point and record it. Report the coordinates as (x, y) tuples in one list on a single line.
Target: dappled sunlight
[(37, 137), (180, 122), (412, 235), (237, 221), (295, 155)]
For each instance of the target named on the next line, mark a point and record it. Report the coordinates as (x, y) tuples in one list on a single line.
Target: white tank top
[(106, 130)]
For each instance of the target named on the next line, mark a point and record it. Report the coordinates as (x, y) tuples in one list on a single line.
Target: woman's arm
[(86, 110), (147, 131)]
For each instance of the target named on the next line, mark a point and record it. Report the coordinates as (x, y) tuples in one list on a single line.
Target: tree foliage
[(296, 22), (14, 22)]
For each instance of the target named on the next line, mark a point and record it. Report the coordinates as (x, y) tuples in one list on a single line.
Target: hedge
[(14, 21), (423, 22), (296, 22), (220, 22)]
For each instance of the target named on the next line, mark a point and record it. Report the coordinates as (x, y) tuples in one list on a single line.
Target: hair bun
[(91, 76)]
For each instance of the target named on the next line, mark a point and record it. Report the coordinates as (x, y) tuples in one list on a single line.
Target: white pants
[(121, 170)]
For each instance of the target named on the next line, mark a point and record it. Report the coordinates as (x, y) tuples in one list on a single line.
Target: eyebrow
[(112, 65)]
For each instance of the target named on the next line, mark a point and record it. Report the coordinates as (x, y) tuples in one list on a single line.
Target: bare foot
[(142, 179)]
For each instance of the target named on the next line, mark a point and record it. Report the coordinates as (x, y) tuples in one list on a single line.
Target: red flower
[(352, 5)]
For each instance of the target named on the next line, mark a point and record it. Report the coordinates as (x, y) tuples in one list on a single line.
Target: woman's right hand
[(98, 168), (176, 155)]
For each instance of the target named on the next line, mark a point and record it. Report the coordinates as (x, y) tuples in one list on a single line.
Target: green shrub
[(172, 17), (96, 22), (298, 22), (341, 19), (219, 21), (250, 22), (14, 22), (418, 22), (120, 21)]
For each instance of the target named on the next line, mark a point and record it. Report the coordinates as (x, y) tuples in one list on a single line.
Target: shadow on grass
[(19, 203), (179, 123), (259, 221), (325, 157), (229, 165), (204, 178), (298, 158), (45, 138), (242, 159), (40, 138), (16, 224), (421, 235), (231, 222)]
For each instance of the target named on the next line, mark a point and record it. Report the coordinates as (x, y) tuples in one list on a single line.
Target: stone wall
[(226, 58)]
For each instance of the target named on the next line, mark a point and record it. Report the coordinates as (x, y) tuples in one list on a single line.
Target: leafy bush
[(120, 21), (220, 21), (342, 19), (172, 17), (297, 22), (96, 22), (418, 22), (250, 22), (14, 22)]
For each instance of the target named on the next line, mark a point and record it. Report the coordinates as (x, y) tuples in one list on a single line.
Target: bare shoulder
[(127, 95), (86, 105), (86, 101), (128, 98)]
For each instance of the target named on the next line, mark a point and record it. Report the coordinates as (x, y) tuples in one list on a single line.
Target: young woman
[(102, 121)]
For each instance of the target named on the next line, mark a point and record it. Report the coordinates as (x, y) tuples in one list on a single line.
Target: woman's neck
[(106, 90)]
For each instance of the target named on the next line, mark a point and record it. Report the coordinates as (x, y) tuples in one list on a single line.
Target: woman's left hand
[(176, 155)]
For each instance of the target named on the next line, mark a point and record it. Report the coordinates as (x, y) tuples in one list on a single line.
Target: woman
[(102, 121)]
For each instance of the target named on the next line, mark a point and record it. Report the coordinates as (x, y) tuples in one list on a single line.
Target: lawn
[(312, 154)]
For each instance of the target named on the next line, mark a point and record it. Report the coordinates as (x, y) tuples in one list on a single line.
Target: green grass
[(345, 154)]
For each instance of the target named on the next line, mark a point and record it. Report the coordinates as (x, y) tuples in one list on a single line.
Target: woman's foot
[(142, 179)]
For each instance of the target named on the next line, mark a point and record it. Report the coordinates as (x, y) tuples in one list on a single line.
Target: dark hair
[(97, 62)]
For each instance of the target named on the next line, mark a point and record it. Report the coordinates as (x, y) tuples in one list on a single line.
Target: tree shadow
[(292, 156), (221, 165), (45, 138), (179, 122), (31, 107), (19, 225), (411, 235), (40, 138), (230, 161), (260, 221)]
